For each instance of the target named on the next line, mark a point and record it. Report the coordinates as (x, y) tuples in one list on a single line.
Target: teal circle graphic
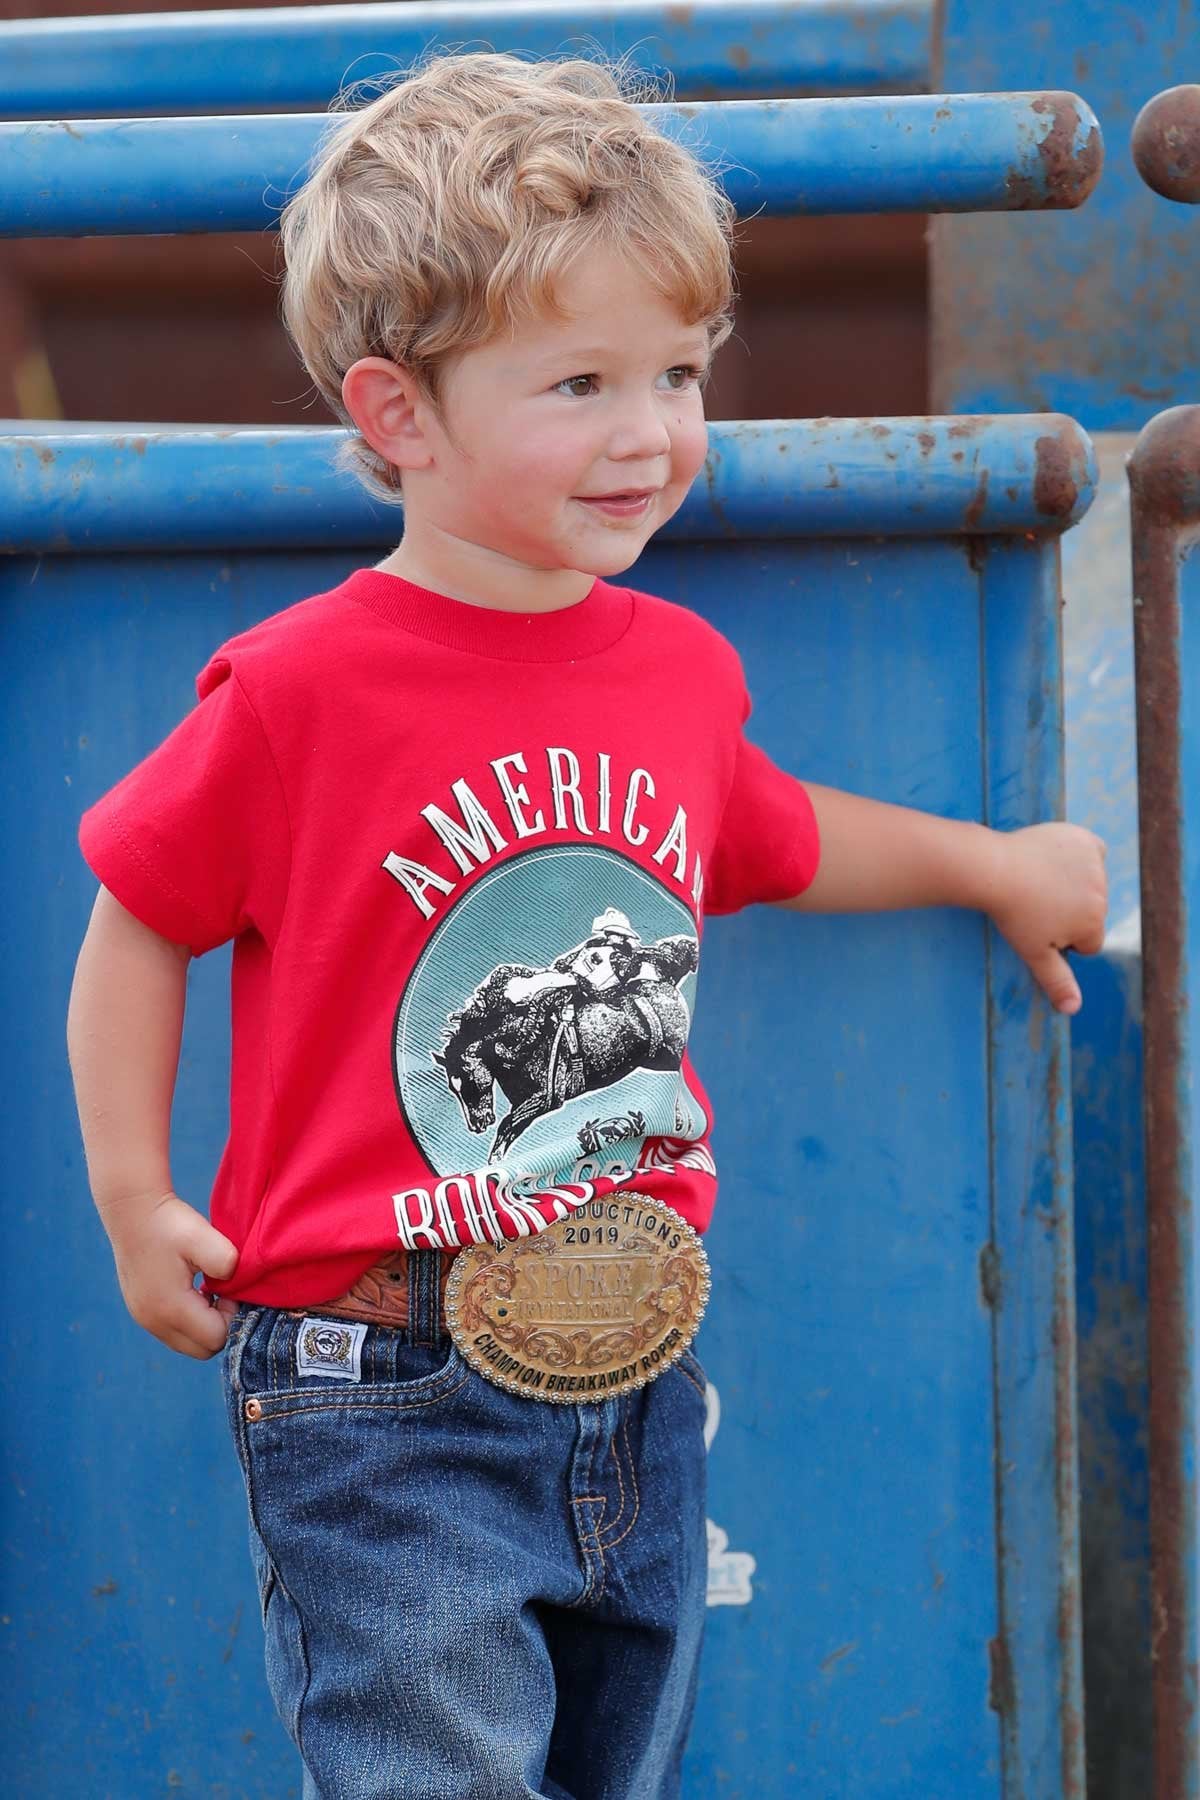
[(531, 909)]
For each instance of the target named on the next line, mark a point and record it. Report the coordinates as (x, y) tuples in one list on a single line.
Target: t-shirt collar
[(589, 625)]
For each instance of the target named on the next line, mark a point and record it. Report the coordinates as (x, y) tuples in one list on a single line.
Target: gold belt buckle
[(595, 1305)]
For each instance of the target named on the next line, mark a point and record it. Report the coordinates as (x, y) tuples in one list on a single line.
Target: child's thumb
[(1054, 976), (214, 1254)]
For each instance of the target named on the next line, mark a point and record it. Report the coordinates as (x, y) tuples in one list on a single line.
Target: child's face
[(566, 445)]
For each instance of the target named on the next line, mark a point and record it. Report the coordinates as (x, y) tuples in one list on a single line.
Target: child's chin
[(613, 562)]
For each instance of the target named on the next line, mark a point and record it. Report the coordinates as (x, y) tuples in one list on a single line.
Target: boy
[(449, 1041)]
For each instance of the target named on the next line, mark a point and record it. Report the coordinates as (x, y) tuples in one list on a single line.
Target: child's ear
[(391, 411)]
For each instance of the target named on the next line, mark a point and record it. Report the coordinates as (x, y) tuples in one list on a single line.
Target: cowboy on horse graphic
[(544, 1036)]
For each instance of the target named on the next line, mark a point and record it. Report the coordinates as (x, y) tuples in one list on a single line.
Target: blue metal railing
[(300, 56), (921, 153), (777, 478)]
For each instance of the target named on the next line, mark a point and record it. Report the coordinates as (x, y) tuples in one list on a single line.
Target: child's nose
[(641, 431)]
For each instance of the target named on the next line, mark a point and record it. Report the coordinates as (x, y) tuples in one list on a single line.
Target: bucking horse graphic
[(545, 1036)]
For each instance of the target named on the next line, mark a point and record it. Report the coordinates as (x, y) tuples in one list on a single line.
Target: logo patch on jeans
[(329, 1347)]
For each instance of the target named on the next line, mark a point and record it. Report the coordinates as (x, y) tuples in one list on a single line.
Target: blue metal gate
[(894, 1557)]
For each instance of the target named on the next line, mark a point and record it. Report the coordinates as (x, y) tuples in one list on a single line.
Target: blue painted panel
[(895, 1451), (1089, 315), (299, 56), (921, 153)]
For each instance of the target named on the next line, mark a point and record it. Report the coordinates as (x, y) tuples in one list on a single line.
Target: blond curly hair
[(443, 211)]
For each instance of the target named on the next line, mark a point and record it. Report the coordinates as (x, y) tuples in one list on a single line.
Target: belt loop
[(423, 1295)]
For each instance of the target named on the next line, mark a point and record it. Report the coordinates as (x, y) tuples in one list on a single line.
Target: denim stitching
[(616, 1462), (587, 1529), (637, 1498), (593, 1558), (323, 1403)]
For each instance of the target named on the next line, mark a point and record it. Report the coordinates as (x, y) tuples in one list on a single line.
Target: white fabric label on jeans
[(331, 1347)]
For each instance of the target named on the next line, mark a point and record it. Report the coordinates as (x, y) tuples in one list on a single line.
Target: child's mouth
[(629, 505)]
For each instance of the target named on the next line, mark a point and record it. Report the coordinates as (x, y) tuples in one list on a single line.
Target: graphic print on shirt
[(543, 1029)]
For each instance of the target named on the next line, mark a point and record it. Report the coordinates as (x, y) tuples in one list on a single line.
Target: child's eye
[(683, 375), (572, 385)]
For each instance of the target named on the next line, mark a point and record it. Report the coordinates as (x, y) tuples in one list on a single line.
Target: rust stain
[(1055, 483), (836, 1656), (927, 441), (973, 516), (1165, 143), (1068, 174), (739, 56), (1000, 1677)]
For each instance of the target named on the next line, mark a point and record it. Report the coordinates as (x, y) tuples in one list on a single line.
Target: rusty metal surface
[(1072, 155), (1165, 144), (1164, 474)]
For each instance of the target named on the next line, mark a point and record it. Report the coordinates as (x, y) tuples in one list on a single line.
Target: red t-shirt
[(464, 856)]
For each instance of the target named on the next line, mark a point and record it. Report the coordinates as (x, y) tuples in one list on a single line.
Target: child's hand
[(1051, 895), (160, 1243)]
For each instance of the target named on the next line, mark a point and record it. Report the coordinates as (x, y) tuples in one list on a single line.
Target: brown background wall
[(831, 319)]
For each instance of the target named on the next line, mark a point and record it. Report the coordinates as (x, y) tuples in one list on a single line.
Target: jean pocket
[(297, 1364)]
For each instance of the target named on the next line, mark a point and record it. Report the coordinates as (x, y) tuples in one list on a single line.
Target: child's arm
[(1044, 887), (124, 1027)]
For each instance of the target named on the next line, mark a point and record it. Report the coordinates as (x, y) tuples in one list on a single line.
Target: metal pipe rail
[(300, 56), (183, 489), (920, 153), (1164, 480)]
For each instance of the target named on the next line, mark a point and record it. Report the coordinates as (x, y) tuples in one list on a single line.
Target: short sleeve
[(768, 845), (195, 841)]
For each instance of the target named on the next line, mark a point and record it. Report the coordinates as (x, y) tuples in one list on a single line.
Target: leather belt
[(382, 1295)]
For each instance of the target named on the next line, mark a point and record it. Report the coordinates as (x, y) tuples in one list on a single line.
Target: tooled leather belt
[(381, 1295)]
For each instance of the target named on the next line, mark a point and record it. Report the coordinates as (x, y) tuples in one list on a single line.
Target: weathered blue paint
[(1032, 1273), (921, 153), (1091, 315), (911, 477), (1165, 481), (300, 56), (891, 1332)]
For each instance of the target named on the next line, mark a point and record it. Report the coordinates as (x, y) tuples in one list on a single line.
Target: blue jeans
[(468, 1594)]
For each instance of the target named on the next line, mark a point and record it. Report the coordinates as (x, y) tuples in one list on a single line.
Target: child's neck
[(481, 577)]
